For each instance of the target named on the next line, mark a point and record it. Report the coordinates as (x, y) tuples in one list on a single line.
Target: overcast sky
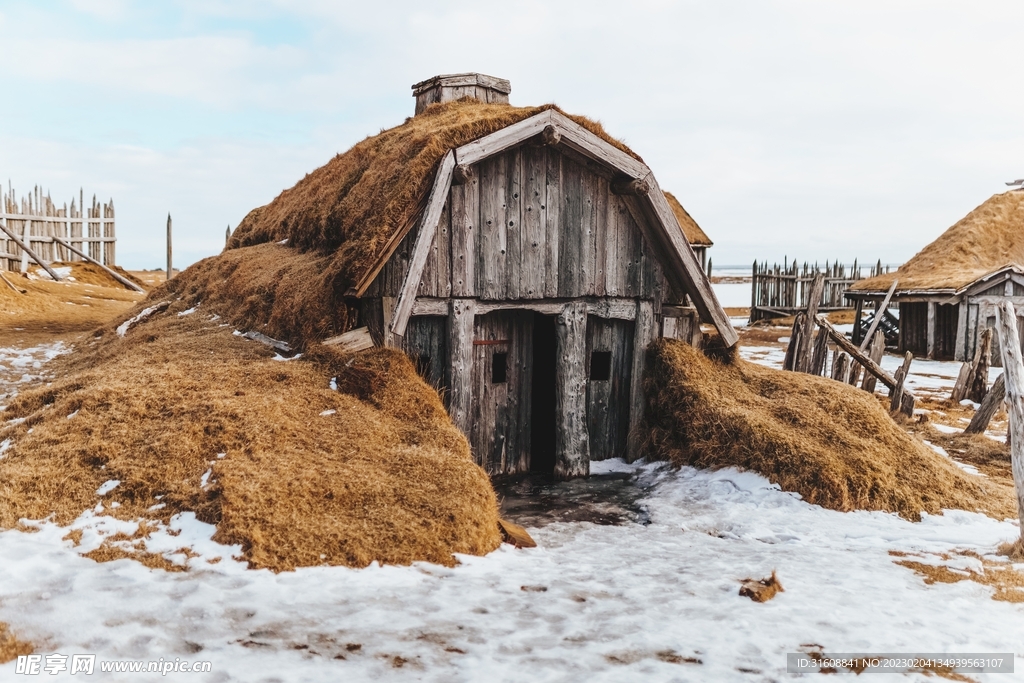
[(808, 129)]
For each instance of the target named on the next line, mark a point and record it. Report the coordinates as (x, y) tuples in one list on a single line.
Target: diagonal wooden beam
[(424, 240)]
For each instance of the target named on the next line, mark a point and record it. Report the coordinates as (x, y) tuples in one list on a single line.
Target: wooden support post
[(793, 350), (989, 407), (170, 272), (25, 251), (961, 331), (896, 395), (820, 352), (1013, 371), (841, 367), (931, 328), (977, 385), (572, 448), (858, 308), (460, 350), (643, 334), (875, 354), (879, 314), (803, 359)]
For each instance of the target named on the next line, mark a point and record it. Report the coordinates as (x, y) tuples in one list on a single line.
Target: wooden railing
[(41, 225)]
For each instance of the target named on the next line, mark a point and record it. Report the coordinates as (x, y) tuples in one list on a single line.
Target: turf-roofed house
[(523, 258), (949, 291)]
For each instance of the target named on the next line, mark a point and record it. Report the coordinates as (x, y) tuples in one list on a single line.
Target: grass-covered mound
[(309, 475), (830, 442)]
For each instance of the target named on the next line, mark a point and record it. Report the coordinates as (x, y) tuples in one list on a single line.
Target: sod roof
[(989, 238), (352, 207)]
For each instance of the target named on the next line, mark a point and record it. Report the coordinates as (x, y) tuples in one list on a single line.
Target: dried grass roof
[(352, 206), (830, 442), (694, 235), (987, 239)]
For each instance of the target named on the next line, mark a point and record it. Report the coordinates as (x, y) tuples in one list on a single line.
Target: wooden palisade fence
[(42, 226), (780, 291), (830, 353)]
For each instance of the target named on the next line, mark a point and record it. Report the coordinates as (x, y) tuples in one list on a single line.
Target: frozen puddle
[(594, 602)]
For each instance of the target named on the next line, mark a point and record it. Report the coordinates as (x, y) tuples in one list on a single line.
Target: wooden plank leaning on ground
[(352, 341), (1013, 371), (25, 249), (804, 357), (879, 314), (972, 380), (901, 400), (870, 366), (989, 407), (117, 276)]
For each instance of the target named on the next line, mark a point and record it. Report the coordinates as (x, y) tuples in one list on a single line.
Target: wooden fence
[(37, 221), (780, 291)]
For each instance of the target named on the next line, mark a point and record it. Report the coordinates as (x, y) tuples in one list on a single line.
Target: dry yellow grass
[(10, 646), (829, 442), (987, 239), (1006, 582), (384, 477), (61, 307), (694, 234)]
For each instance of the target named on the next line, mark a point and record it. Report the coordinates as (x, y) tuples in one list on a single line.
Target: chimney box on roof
[(456, 86)]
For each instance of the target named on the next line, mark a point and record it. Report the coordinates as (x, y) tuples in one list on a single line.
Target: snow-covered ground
[(603, 603), (635, 602)]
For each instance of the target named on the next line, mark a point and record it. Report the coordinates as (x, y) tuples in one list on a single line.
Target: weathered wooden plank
[(879, 314), (460, 350), (617, 308), (493, 437), (572, 452), (114, 274), (424, 242), (513, 222), (1013, 372), (583, 141), (960, 353), (521, 367), (25, 250), (930, 330), (805, 352), (897, 394), (570, 238), (443, 253), (503, 139), (552, 223), (613, 225), (644, 332), (847, 346), (465, 202), (875, 354), (492, 236), (988, 408), (534, 215), (352, 341), (695, 281)]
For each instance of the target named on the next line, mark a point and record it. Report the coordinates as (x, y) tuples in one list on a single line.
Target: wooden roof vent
[(456, 86)]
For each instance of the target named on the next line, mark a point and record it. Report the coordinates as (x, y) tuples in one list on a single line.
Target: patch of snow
[(946, 429), (221, 455), (613, 465), (334, 384), (205, 478), (330, 411), (278, 356), (107, 487), (4, 445), (72, 414), (284, 241), (189, 311), (123, 328), (969, 403)]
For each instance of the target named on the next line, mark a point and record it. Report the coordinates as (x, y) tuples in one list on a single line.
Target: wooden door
[(502, 364), (609, 371)]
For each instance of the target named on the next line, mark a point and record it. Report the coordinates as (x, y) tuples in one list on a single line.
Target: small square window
[(499, 368), (600, 366)]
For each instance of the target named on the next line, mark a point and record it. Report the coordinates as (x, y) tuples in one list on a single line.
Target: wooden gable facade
[(544, 263)]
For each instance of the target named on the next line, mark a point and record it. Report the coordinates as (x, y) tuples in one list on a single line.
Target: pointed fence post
[(1013, 373), (169, 266)]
